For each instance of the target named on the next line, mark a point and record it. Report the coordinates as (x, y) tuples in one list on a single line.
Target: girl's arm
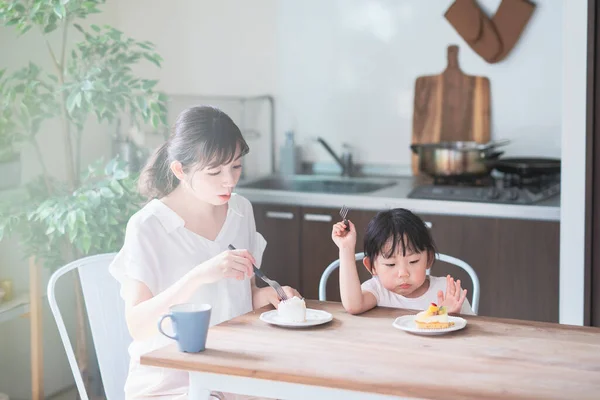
[(354, 299)]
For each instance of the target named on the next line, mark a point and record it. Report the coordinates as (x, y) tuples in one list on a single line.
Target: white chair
[(441, 257), (106, 314)]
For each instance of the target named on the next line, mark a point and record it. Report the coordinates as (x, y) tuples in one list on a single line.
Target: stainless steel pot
[(456, 159)]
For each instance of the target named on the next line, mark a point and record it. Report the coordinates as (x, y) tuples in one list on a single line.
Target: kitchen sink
[(315, 184)]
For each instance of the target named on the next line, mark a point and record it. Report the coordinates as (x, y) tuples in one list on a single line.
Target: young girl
[(175, 248), (398, 252)]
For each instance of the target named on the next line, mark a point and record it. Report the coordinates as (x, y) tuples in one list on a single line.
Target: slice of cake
[(292, 310), (433, 318)]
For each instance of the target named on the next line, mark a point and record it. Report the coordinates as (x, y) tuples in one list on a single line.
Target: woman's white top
[(158, 250)]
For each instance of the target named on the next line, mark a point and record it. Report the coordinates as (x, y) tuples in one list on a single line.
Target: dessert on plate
[(433, 318), (292, 310)]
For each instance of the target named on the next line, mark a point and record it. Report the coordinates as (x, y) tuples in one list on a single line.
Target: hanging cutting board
[(451, 106)]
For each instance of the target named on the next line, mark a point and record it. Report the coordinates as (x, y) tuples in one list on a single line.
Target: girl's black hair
[(202, 136), (402, 228)]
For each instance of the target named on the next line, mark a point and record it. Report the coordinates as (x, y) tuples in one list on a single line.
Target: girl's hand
[(273, 297), (236, 264), (455, 296), (344, 239)]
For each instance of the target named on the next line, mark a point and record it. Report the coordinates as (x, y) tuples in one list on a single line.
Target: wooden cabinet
[(318, 250), (517, 261), (280, 226), (316, 247)]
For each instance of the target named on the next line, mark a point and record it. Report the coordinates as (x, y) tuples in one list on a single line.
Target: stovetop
[(506, 189)]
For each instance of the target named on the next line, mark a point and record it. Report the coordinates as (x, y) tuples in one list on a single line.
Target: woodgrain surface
[(490, 358), (451, 106)]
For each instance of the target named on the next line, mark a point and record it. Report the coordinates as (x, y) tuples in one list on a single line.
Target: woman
[(175, 247)]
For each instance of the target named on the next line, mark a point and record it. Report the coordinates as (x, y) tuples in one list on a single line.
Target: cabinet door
[(517, 263), (526, 274), (318, 250), (473, 240), (280, 226)]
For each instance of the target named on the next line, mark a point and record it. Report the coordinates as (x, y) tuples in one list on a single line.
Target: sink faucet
[(345, 161)]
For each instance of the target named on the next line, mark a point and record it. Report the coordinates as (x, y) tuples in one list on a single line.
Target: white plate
[(407, 323), (313, 317)]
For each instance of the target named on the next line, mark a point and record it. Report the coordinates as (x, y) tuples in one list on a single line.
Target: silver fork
[(270, 282), (344, 214)]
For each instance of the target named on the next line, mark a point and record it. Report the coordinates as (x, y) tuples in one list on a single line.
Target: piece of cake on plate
[(433, 318), (292, 310)]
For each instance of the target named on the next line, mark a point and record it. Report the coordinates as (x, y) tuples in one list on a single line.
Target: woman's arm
[(142, 309)]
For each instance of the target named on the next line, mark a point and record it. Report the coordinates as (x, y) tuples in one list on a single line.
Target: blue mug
[(190, 324)]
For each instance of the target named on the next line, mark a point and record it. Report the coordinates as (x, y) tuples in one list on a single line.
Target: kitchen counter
[(396, 196)]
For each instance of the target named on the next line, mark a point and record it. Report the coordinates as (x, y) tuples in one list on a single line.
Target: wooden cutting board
[(451, 106)]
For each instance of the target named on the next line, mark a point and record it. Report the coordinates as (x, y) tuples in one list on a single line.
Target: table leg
[(197, 389), (35, 309)]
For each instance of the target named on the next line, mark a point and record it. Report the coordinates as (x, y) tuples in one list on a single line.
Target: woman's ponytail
[(156, 179)]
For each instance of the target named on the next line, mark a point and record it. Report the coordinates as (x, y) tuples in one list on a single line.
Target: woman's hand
[(455, 296), (273, 298), (234, 264)]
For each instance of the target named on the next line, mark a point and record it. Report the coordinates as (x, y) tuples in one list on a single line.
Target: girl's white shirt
[(158, 250)]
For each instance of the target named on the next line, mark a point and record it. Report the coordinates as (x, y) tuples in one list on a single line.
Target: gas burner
[(530, 181), (507, 189), (468, 180)]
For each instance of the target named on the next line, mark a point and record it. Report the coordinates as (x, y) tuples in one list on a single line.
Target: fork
[(270, 282), (344, 214)]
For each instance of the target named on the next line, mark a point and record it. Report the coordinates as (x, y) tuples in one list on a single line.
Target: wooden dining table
[(365, 357)]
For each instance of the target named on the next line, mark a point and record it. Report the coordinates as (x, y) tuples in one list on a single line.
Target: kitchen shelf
[(14, 308)]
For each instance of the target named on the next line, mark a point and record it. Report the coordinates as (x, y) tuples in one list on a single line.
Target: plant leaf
[(60, 11), (86, 243), (152, 59), (73, 100), (155, 121), (106, 192), (71, 219)]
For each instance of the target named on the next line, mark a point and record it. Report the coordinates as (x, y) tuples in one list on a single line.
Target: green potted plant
[(61, 219), (92, 78)]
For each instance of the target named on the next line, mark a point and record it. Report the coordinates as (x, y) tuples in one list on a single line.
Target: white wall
[(347, 70), (572, 211), (210, 47), (224, 47)]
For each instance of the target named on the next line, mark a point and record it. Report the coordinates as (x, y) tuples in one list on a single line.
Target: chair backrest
[(106, 314), (442, 257)]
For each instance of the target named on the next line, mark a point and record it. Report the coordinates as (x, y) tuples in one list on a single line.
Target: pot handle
[(495, 143), (492, 160), (493, 155)]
